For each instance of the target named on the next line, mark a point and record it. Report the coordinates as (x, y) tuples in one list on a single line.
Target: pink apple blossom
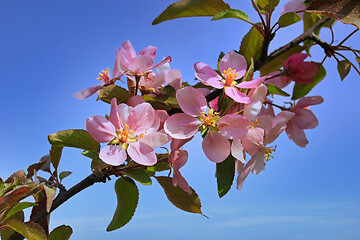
[(129, 131), (294, 6), (232, 67), (304, 119), (184, 125), (298, 70)]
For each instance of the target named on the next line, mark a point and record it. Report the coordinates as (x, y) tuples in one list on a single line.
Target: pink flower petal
[(253, 140), (280, 81), (142, 153), (278, 125), (113, 155), (236, 95), (216, 147), (251, 84), (141, 118), (295, 59), (114, 115), (148, 51), (237, 150), (191, 101), (294, 6), (233, 126), (173, 78), (178, 159), (308, 101), (100, 128), (181, 126), (207, 75), (178, 143), (165, 60), (135, 100), (124, 113), (124, 55), (87, 92), (235, 61), (155, 139), (179, 180), (259, 165), (305, 119), (244, 173), (296, 134), (140, 64)]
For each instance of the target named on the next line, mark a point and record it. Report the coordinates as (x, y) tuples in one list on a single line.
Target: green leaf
[(139, 175), (113, 91), (301, 90), (268, 5), (191, 8), (225, 172), (180, 198), (288, 19), (232, 13), (7, 232), (156, 103), (251, 45), (275, 90), (358, 60), (64, 174), (76, 138), (344, 68), (29, 230), (346, 11), (19, 207), (55, 155), (62, 232), (278, 62), (127, 199)]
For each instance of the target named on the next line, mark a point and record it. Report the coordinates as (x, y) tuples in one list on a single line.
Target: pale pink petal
[(238, 166), (294, 6), (252, 110), (135, 100), (173, 78), (236, 95), (216, 147), (204, 91), (264, 122), (178, 143), (214, 104), (207, 75), (87, 92), (141, 118), (237, 150), (181, 126), (258, 94), (114, 115), (165, 60), (253, 140), (179, 180), (156, 124), (267, 111), (259, 165), (178, 159), (244, 172), (113, 155), (142, 153), (233, 126), (163, 115), (278, 125), (234, 61), (101, 129), (308, 101), (124, 112), (149, 51), (280, 81), (140, 64), (125, 54), (117, 69), (155, 139), (251, 84), (191, 101), (296, 134), (305, 119)]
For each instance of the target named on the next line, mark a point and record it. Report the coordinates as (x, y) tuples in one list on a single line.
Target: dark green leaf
[(139, 175), (76, 138), (113, 91), (288, 19), (277, 62), (344, 68), (180, 198), (191, 8), (29, 230), (55, 155), (167, 90), (268, 5), (275, 90), (301, 90), (251, 45), (225, 172), (156, 103), (19, 207), (232, 13), (62, 232), (64, 174), (127, 199)]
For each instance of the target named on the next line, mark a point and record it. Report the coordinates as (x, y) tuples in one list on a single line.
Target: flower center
[(210, 119), (254, 124), (267, 152), (124, 134), (230, 76), (104, 76)]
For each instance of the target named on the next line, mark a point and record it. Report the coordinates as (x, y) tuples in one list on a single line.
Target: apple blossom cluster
[(241, 123)]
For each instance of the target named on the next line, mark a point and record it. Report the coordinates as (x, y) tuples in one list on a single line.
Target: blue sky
[(50, 49)]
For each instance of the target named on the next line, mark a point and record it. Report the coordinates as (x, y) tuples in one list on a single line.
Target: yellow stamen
[(124, 134), (254, 124), (268, 151), (104, 75), (230, 76), (210, 119)]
